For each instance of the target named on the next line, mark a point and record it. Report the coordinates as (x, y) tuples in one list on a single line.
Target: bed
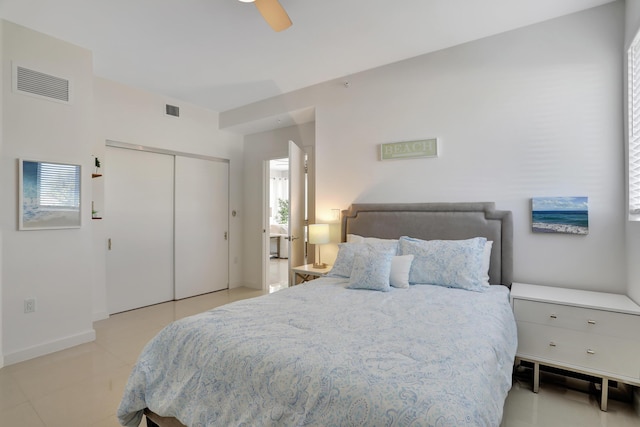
[(334, 352)]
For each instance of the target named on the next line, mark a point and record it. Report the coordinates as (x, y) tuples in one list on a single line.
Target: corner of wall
[(1, 186), (632, 234), (632, 20)]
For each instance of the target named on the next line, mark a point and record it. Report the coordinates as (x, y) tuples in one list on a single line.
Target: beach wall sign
[(568, 215), (409, 149)]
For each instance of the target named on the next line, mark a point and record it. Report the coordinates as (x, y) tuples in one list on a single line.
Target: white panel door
[(296, 207), (139, 221), (201, 226)]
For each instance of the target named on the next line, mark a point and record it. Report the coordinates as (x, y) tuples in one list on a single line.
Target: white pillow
[(354, 238), (486, 262), (400, 268)]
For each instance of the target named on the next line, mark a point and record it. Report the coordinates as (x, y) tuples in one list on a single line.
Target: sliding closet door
[(139, 221), (201, 226)]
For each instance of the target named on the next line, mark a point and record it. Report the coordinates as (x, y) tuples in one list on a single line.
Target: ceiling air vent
[(41, 85), (172, 110)]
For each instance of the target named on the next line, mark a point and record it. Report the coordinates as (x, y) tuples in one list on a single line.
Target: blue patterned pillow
[(371, 271), (347, 251), (452, 263)]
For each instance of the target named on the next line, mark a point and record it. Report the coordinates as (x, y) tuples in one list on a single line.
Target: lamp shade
[(318, 234)]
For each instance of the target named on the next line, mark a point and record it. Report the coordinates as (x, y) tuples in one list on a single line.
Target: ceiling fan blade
[(275, 15)]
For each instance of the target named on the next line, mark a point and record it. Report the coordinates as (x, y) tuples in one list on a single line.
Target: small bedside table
[(593, 333), (308, 272)]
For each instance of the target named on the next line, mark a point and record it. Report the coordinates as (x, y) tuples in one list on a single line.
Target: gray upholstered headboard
[(444, 221)]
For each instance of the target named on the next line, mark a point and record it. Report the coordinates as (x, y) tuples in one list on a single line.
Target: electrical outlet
[(30, 305)]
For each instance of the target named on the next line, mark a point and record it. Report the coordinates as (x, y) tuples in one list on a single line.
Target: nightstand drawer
[(589, 351), (579, 319)]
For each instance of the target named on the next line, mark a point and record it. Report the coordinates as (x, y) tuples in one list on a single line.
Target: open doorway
[(285, 217), (278, 222)]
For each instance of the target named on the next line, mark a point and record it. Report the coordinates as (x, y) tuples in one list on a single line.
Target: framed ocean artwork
[(49, 195), (568, 215)]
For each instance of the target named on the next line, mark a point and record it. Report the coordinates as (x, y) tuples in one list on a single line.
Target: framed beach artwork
[(569, 215), (49, 195)]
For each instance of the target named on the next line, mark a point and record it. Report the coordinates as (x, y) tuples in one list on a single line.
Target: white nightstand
[(593, 333), (307, 272)]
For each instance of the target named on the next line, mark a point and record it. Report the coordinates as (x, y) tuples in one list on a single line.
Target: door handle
[(109, 243), (292, 238), (225, 235)]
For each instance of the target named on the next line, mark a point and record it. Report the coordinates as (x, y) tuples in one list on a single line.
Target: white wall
[(126, 114), (260, 147), (531, 112), (52, 266), (632, 25), (65, 269)]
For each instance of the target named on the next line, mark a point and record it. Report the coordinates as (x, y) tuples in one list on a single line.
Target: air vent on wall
[(172, 110), (41, 85)]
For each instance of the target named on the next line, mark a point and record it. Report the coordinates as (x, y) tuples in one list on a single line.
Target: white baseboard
[(49, 347), (100, 315)]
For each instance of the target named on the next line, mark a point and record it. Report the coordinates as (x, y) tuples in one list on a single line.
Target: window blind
[(633, 57), (59, 185)]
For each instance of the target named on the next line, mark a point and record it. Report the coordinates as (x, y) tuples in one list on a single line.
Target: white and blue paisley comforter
[(319, 354)]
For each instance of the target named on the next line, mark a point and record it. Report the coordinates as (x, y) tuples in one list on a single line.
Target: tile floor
[(278, 274), (562, 402), (82, 386)]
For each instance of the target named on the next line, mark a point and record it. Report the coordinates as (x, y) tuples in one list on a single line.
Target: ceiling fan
[(272, 12)]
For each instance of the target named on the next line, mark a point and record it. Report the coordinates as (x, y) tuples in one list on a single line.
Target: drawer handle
[(591, 322), (552, 344), (553, 316), (589, 351)]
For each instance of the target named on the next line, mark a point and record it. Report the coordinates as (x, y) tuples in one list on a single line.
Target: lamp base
[(321, 265)]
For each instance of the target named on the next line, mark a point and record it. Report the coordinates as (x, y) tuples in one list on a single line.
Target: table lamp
[(318, 235)]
